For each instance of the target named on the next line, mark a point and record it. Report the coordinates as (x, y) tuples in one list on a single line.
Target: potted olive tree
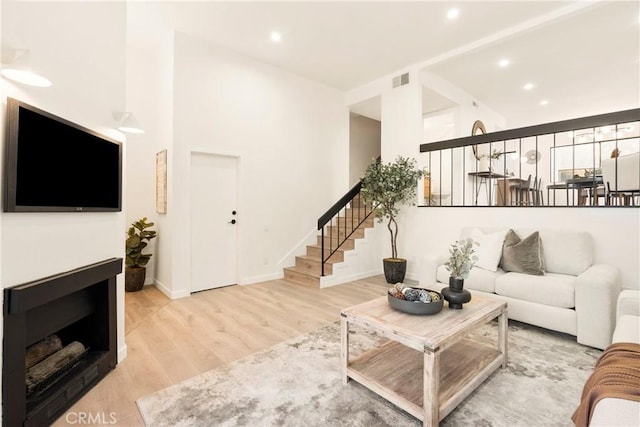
[(386, 187), (136, 261)]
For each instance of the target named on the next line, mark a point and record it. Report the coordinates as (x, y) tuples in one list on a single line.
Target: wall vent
[(400, 80)]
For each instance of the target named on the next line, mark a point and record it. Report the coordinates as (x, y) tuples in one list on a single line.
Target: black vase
[(455, 294), (456, 283), (394, 269)]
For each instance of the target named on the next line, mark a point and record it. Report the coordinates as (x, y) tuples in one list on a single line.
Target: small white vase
[(484, 164)]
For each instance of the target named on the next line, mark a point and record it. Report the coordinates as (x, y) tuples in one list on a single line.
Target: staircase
[(341, 231)]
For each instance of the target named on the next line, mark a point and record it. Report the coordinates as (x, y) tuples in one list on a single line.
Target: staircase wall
[(290, 258), (364, 261)]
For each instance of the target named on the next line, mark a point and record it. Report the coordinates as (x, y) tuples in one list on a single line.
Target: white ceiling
[(582, 57)]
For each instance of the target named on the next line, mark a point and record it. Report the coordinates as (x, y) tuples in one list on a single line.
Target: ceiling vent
[(400, 80)]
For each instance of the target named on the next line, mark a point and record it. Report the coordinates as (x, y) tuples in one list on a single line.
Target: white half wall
[(616, 231)]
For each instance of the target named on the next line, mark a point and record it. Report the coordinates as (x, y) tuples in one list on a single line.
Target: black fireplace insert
[(78, 306)]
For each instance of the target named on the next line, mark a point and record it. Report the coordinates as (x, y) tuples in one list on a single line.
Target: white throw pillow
[(489, 248)]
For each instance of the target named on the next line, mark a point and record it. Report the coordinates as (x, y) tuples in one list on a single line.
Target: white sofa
[(574, 296), (620, 412)]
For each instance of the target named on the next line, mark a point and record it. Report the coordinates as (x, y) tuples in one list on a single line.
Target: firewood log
[(52, 364), (41, 350)]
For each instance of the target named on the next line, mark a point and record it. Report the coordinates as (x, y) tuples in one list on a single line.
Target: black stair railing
[(345, 225)]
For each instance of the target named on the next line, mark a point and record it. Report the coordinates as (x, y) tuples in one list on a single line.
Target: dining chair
[(621, 176)]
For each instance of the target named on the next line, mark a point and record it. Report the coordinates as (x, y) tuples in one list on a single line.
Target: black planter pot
[(394, 269), (455, 294), (134, 278)]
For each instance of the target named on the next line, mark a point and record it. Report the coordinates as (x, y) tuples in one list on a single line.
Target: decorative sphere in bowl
[(419, 305)]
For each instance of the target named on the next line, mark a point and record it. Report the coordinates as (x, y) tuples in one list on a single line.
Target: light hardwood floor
[(170, 341)]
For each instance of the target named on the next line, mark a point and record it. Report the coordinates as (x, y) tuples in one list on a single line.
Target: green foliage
[(494, 155), (135, 243), (461, 259), (388, 186)]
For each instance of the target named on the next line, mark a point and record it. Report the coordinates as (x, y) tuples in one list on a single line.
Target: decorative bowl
[(416, 307)]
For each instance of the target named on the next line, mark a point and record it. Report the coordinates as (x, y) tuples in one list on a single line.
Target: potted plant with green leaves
[(138, 237), (461, 261), (386, 187)]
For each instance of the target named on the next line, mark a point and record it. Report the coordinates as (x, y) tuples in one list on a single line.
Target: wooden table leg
[(431, 386), (344, 347), (503, 339)]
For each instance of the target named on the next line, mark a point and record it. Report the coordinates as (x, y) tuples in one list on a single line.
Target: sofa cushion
[(614, 412), (489, 248), (567, 252), (629, 303), (557, 290), (627, 329), (522, 255), (478, 279)]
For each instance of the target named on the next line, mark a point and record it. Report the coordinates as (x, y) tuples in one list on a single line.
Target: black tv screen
[(54, 165)]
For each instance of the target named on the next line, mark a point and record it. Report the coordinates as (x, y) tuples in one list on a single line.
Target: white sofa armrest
[(429, 265), (628, 303), (597, 291)]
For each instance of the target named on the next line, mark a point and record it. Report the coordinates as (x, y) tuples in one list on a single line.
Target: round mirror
[(477, 129)]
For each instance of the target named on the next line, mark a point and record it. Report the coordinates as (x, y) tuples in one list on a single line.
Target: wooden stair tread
[(302, 277), (314, 258), (326, 249), (302, 271)]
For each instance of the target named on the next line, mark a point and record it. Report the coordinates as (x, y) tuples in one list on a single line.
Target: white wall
[(402, 123), (364, 145), (291, 135), (150, 98), (82, 51)]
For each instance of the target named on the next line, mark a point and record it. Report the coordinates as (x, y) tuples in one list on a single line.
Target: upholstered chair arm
[(628, 303), (597, 291), (429, 265)]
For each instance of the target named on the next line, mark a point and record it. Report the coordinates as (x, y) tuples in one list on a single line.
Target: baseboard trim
[(262, 278), (169, 293), (328, 281), (122, 353)]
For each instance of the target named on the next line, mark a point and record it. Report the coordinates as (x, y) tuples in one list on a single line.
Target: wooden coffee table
[(431, 363)]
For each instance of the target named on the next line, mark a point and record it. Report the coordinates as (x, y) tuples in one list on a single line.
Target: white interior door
[(213, 221)]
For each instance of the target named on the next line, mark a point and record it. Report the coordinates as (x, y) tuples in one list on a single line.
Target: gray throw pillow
[(523, 255)]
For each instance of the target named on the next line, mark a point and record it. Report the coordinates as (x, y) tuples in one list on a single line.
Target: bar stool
[(536, 192), (520, 191)]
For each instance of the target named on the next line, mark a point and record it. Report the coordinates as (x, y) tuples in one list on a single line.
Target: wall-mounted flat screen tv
[(54, 165)]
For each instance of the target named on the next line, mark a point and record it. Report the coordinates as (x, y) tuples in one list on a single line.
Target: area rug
[(297, 383)]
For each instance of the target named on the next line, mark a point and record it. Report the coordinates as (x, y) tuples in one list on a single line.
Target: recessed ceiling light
[(503, 62), (528, 86), (544, 102), (276, 36), (452, 14)]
